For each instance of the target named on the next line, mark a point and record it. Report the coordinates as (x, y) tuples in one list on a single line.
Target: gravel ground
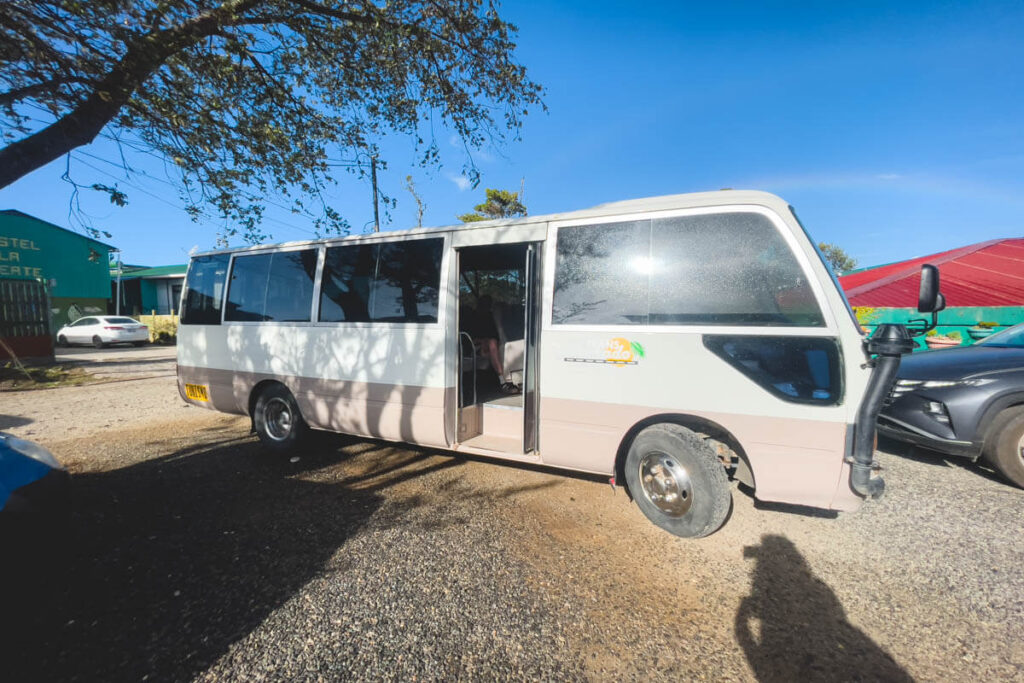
[(195, 555)]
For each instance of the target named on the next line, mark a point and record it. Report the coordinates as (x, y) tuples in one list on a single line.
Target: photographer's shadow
[(792, 627)]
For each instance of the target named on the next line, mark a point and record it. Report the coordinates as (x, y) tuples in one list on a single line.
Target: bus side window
[(272, 287), (206, 277), (729, 268), (394, 282)]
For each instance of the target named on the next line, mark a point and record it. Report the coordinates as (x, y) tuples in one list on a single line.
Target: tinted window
[(121, 321), (272, 287), (205, 289), (1010, 337), (345, 288), (795, 369), (406, 283), (386, 282), (248, 288), (290, 286), (717, 269)]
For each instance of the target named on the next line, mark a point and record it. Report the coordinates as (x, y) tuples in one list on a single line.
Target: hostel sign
[(12, 251)]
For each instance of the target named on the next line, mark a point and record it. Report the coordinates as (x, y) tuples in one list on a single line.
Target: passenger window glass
[(272, 287), (726, 269), (345, 289), (405, 288), (290, 286), (248, 289), (715, 269), (795, 369), (205, 279), (386, 282), (601, 274)]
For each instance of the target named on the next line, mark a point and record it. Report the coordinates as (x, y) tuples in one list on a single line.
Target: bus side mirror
[(930, 299)]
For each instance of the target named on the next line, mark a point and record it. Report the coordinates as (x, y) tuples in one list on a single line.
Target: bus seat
[(508, 319)]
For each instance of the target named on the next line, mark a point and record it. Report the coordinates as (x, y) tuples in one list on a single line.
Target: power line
[(141, 148), (166, 182)]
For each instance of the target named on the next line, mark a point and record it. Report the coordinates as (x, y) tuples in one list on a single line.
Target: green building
[(145, 290), (75, 267)]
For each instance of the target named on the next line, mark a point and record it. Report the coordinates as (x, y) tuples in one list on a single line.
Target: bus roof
[(659, 203)]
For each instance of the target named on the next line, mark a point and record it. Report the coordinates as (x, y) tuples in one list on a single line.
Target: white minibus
[(672, 343)]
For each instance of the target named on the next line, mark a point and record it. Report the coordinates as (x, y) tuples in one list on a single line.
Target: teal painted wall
[(150, 298), (959, 319), (31, 248)]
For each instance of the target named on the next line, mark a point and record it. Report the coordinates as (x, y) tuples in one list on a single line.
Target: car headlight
[(905, 386), (31, 450)]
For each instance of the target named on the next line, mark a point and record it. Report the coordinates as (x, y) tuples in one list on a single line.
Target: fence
[(25, 319)]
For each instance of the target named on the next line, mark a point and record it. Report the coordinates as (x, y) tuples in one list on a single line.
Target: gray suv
[(967, 401)]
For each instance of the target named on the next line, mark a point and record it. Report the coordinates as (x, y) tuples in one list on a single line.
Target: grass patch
[(42, 377)]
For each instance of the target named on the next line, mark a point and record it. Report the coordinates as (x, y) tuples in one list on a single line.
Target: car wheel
[(97, 342), (277, 420), (62, 340), (141, 343), (677, 481), (1004, 444)]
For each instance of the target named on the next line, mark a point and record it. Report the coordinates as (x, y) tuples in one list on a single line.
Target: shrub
[(865, 314), (163, 329)]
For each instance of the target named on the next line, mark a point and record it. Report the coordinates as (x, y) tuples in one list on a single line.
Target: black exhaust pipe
[(888, 343)]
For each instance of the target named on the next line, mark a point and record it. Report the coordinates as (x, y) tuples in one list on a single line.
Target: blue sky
[(895, 129)]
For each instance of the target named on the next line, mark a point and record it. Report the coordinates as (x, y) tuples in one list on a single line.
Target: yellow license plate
[(197, 392)]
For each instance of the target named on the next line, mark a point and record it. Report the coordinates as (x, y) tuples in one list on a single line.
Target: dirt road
[(196, 555)]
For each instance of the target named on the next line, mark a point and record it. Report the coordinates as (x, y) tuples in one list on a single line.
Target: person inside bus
[(479, 323)]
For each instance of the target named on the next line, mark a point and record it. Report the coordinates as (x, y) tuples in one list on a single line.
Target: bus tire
[(1004, 445), (677, 481), (277, 420)]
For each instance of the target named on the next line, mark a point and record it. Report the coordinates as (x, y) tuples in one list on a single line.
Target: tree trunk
[(81, 125), (78, 128)]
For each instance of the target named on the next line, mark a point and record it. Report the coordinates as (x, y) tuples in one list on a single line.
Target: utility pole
[(373, 177), (117, 307)]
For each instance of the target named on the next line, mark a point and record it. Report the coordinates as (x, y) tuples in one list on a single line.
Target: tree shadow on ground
[(792, 627), (173, 559)]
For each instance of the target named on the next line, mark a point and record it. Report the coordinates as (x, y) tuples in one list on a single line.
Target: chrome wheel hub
[(277, 415), (666, 483)]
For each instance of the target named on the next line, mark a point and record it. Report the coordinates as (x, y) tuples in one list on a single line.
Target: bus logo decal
[(618, 351)]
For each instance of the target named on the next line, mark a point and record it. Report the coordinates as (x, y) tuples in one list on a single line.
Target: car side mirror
[(929, 298)]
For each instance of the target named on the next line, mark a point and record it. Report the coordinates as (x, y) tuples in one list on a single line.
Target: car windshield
[(121, 321), (1012, 337)]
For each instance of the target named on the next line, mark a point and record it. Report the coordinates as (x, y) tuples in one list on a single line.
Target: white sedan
[(100, 330)]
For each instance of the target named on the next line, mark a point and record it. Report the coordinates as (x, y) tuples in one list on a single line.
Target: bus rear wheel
[(678, 481), (277, 420)]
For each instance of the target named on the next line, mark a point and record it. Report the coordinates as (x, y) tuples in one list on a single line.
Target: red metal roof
[(984, 274)]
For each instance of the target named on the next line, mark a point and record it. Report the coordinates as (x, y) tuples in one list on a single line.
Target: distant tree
[(251, 98), (837, 257), (420, 206), (499, 204)]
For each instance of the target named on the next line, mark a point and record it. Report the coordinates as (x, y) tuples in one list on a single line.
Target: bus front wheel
[(678, 481), (277, 420)]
